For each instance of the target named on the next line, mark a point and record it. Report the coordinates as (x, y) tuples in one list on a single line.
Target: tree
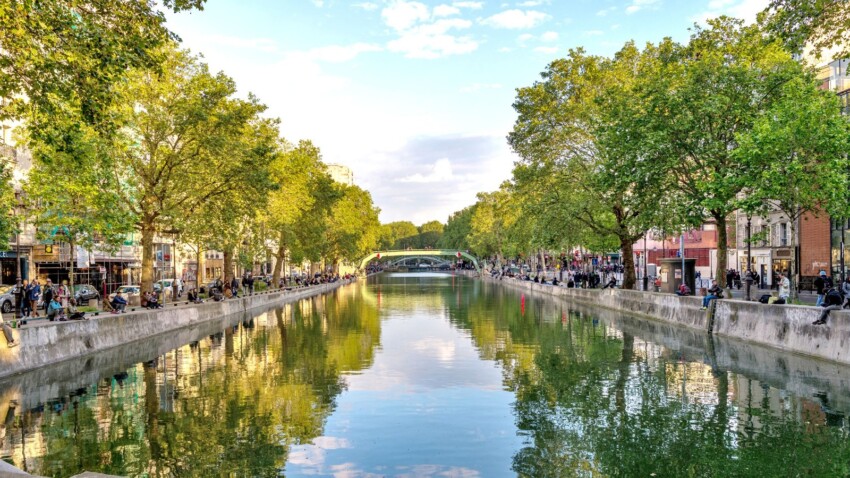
[(820, 24), (579, 182), (303, 197), (353, 226), (457, 230), (430, 234), (398, 235), (799, 149), (59, 53), (185, 131), (72, 190), (698, 100)]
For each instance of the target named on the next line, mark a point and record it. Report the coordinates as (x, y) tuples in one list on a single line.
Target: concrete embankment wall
[(48, 344), (785, 327)]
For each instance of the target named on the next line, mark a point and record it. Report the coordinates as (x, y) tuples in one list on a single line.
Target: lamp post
[(749, 277), (18, 279), (645, 268)]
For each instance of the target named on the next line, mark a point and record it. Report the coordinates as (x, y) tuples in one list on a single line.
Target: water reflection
[(431, 375)]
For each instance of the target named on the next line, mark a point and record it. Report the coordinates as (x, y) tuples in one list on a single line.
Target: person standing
[(784, 287), (64, 293), (820, 287), (33, 296)]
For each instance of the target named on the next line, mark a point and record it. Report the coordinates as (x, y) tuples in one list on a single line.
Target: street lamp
[(645, 267), (19, 292), (749, 277)]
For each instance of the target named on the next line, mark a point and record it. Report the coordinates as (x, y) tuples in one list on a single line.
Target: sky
[(416, 96)]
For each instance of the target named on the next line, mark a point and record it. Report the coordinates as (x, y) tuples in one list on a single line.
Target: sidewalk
[(805, 297)]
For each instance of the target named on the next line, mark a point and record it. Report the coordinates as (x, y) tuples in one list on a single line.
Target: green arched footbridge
[(420, 253)]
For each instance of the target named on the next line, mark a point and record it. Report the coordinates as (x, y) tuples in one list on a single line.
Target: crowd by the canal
[(829, 296), (58, 305)]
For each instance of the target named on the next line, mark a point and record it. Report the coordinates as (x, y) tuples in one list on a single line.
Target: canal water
[(421, 375)]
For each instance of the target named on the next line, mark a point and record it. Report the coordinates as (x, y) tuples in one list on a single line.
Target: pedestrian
[(715, 292), (64, 293), (24, 298), (234, 288), (33, 296), (784, 288), (845, 289), (832, 301), (820, 287), (47, 293), (251, 283)]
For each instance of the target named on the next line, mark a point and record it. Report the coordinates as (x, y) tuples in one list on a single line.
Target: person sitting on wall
[(73, 312), (612, 284), (683, 290), (118, 303), (193, 296), (54, 309), (715, 292), (150, 301), (831, 301)]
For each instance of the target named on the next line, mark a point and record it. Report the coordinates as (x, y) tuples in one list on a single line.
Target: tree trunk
[(199, 267), (228, 265), (71, 268), (147, 255), (627, 246), (722, 250), (793, 277), (278, 264)]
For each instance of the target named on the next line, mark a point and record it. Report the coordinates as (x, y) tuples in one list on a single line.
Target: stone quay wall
[(784, 327), (51, 343)]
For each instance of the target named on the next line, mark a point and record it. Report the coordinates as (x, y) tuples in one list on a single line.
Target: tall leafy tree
[(698, 101), (820, 24), (55, 53), (353, 226), (72, 190), (430, 233), (457, 230), (798, 149), (398, 235), (185, 128)]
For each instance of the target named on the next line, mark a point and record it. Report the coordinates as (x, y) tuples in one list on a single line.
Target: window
[(783, 234)]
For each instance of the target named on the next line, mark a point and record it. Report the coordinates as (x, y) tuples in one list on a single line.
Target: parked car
[(128, 291), (7, 298), (168, 284), (85, 292)]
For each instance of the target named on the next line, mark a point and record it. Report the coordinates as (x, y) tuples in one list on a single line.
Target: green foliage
[(457, 230), (399, 235), (353, 226), (59, 53), (819, 24)]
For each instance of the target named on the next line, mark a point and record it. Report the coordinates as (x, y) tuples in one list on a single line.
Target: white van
[(167, 284)]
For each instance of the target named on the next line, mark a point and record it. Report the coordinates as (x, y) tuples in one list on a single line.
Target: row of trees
[(664, 137), (129, 133)]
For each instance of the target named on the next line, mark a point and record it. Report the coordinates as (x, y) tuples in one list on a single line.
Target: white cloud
[(549, 37), (525, 37), (319, 3), (638, 5), (469, 5), (440, 171), (446, 11), (516, 19), (401, 15), (419, 38), (430, 41), (546, 49), (606, 11), (265, 45), (533, 3), (366, 6)]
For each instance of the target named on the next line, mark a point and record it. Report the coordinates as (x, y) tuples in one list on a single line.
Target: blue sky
[(415, 96)]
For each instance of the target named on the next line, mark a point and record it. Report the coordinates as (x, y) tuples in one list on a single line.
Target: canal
[(430, 374)]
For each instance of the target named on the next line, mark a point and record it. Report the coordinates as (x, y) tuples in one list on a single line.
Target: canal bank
[(53, 343), (784, 327)]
